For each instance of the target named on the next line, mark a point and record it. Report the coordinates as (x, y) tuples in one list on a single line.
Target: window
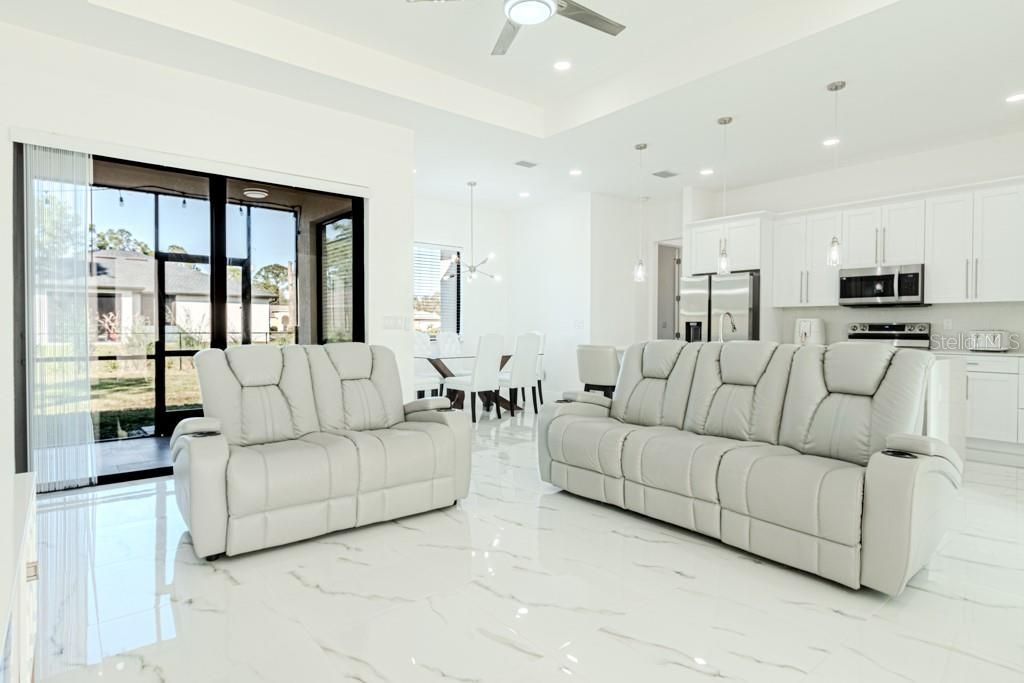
[(340, 265), (437, 289)]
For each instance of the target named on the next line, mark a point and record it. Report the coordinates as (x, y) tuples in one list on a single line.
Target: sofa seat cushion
[(590, 443), (676, 461), (407, 453), (818, 496), (283, 474)]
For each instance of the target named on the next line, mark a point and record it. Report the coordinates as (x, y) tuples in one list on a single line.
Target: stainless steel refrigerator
[(713, 307)]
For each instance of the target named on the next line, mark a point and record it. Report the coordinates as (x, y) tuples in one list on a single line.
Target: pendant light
[(723, 250), (474, 269), (834, 255), (639, 270)]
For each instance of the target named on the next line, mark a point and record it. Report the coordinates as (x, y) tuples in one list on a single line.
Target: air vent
[(665, 174), (526, 164)]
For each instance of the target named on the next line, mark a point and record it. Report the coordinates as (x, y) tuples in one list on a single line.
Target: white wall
[(549, 283), (63, 92), (484, 302), (967, 163)]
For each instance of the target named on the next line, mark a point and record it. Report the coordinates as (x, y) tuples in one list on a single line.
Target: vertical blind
[(337, 313), (57, 215), (437, 299)]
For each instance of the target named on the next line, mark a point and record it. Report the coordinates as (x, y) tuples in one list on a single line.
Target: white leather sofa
[(776, 449), (299, 441)]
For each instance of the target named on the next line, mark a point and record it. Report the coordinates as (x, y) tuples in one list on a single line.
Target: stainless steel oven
[(882, 286)]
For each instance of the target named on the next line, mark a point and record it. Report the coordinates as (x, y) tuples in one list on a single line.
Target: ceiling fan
[(530, 12)]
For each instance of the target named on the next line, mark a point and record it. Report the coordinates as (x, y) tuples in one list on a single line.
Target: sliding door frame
[(356, 213)]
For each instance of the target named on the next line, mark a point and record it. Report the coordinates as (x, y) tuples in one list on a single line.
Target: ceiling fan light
[(530, 12)]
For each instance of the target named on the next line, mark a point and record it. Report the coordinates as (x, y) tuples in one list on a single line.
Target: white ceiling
[(922, 74)]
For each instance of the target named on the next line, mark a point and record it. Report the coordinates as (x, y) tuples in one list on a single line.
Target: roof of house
[(129, 270)]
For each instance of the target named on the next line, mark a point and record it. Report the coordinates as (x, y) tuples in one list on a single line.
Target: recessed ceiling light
[(830, 142), (563, 65), (524, 195), (529, 12), (1017, 97), (707, 171), (575, 172), (255, 193)]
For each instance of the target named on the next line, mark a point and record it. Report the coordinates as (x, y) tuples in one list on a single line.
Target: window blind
[(437, 289)]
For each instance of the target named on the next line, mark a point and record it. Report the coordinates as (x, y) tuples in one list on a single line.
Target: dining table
[(440, 361)]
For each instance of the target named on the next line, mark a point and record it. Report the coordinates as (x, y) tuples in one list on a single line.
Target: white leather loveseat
[(776, 449), (299, 441)]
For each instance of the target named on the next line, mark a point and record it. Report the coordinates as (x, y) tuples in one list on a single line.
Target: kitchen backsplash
[(960, 318)]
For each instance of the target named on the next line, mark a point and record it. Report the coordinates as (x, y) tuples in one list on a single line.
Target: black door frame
[(356, 213)]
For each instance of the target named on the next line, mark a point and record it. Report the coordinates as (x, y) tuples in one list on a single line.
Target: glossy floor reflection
[(517, 583)]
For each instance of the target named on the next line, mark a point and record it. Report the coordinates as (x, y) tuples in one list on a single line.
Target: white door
[(992, 406), (902, 240), (998, 244), (948, 257), (822, 288), (743, 244), (788, 272), (706, 243), (862, 230)]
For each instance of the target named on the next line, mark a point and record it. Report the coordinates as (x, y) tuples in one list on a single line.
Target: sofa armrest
[(910, 500), (587, 397), (459, 422), (427, 404), (927, 446), (200, 486), (200, 426), (551, 412)]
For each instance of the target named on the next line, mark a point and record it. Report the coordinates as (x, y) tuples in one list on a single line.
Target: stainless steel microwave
[(882, 286)]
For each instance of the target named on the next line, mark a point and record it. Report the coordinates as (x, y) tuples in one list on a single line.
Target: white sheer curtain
[(60, 431)]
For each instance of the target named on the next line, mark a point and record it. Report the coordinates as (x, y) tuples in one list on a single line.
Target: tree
[(176, 249), (120, 239), (272, 278)]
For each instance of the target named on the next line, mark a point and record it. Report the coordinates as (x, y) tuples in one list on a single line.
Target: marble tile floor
[(517, 583)]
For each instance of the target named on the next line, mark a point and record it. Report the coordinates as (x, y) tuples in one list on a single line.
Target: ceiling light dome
[(529, 12)]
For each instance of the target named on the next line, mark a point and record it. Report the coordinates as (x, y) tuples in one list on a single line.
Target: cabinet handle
[(883, 245), (876, 246), (807, 287), (32, 571), (967, 278), (975, 277)]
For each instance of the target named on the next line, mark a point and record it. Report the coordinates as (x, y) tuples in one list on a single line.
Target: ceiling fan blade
[(508, 34), (577, 12)]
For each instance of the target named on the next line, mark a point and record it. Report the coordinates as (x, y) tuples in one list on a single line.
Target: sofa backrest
[(738, 390), (260, 393), (356, 386), (654, 383), (844, 399)]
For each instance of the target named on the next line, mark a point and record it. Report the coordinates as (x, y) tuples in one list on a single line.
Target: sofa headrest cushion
[(856, 367), (659, 358), (352, 361), (744, 362), (256, 365)]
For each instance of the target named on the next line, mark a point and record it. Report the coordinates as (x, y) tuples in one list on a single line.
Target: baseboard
[(995, 452)]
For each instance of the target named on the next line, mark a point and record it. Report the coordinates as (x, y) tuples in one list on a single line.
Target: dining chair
[(484, 378), (427, 377), (522, 370), (598, 368), (541, 373)]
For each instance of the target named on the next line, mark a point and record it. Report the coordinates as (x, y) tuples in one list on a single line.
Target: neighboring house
[(122, 287)]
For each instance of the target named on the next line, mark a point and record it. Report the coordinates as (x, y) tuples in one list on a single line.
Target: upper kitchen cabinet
[(949, 248), (998, 244), (886, 235), (801, 275), (740, 237)]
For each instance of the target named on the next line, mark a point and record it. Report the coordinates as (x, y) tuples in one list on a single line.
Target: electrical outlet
[(947, 324)]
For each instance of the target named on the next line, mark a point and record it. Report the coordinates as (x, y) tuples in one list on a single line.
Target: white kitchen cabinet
[(902, 239), (789, 261), (949, 229), (862, 230), (822, 281), (998, 244), (992, 409), (740, 237)]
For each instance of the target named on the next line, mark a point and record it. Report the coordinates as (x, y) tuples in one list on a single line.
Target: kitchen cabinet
[(801, 274), (949, 229), (992, 399), (861, 231), (741, 238), (998, 244), (902, 239)]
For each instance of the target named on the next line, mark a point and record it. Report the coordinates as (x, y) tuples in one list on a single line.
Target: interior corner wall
[(68, 91), (484, 301), (548, 279)]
